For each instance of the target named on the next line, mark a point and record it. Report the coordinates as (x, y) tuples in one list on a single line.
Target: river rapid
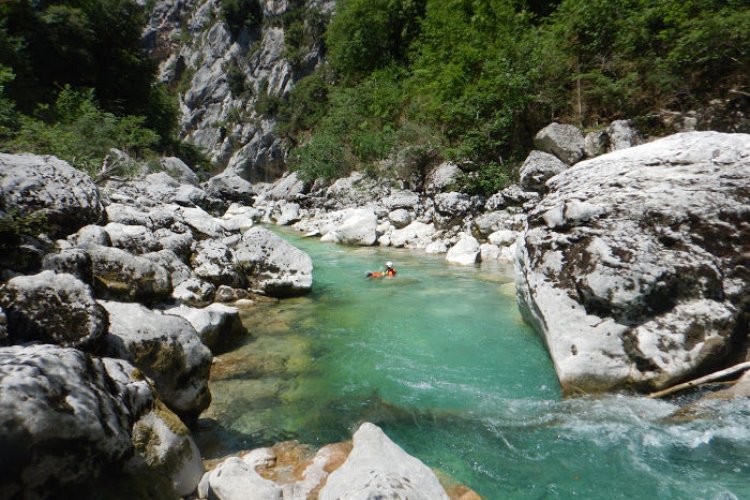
[(440, 358)]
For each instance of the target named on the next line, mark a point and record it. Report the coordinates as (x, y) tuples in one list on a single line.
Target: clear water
[(440, 359)]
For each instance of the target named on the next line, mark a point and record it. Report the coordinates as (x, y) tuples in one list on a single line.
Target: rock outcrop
[(634, 267), (564, 141)]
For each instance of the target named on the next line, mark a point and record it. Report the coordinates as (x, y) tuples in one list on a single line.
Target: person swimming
[(389, 272)]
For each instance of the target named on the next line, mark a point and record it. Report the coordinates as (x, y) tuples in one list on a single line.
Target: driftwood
[(702, 380), (107, 170)]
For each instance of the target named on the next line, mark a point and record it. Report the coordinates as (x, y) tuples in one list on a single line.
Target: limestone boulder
[(400, 217), (127, 214), (53, 308), (564, 141), (54, 197), (415, 235), (622, 135), (401, 199), (73, 261), (217, 324), (164, 443), (273, 266), (289, 187), (215, 263), (230, 187), (378, 468), (465, 252), (121, 275), (65, 421), (194, 292), (538, 168), (442, 177), (351, 226), (131, 238), (91, 235), (165, 348), (634, 266), (178, 169), (177, 269)]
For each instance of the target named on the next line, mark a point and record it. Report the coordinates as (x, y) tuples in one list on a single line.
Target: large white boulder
[(633, 267), (167, 349), (216, 324), (378, 468), (352, 226), (538, 168), (465, 252), (121, 275), (46, 189), (564, 141), (273, 266), (65, 421), (415, 235)]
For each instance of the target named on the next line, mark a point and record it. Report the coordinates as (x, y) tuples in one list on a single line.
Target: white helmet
[(389, 264)]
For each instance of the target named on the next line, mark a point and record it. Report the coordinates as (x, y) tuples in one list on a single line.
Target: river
[(440, 359)]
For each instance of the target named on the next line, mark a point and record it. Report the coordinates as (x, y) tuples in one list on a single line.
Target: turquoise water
[(440, 359)]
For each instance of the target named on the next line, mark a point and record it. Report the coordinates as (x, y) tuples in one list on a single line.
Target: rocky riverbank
[(112, 303)]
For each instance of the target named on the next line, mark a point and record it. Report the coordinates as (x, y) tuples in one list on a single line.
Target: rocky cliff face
[(223, 78), (634, 267)]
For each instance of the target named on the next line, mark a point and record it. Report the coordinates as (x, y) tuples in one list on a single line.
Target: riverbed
[(440, 358)]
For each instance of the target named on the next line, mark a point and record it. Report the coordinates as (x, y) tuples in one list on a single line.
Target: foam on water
[(440, 358)]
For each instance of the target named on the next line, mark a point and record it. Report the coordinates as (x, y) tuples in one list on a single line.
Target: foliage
[(78, 131), (478, 78), (85, 44), (321, 157), (239, 14), (489, 179), (367, 35)]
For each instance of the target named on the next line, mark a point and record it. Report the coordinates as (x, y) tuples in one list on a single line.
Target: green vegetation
[(475, 79), (239, 14), (76, 81)]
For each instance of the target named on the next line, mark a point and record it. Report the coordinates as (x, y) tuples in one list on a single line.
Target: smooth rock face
[(564, 141), (177, 169), (273, 266), (53, 308), (120, 275), (379, 468), (43, 186), (64, 421), (465, 252), (634, 266), (231, 187), (216, 324), (353, 226), (538, 168), (167, 349)]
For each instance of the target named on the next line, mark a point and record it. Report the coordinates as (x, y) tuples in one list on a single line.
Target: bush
[(239, 14), (322, 157), (485, 181), (78, 131)]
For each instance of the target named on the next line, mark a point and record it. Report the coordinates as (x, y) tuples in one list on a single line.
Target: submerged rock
[(634, 266)]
